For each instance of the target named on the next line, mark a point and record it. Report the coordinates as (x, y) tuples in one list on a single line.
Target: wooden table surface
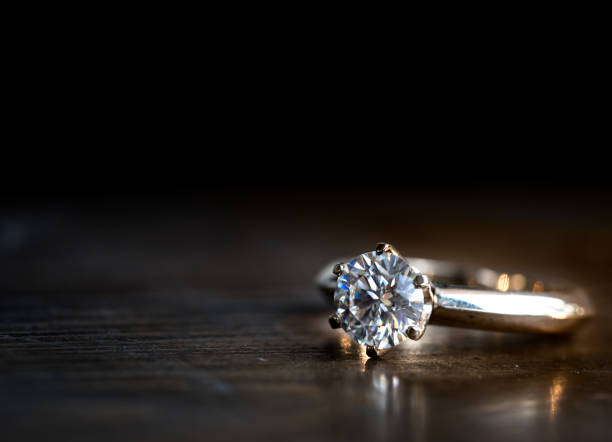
[(197, 320)]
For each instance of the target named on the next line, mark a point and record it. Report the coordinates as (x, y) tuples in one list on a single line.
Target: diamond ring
[(382, 298)]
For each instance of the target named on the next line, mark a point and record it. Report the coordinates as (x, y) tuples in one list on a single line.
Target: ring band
[(382, 297)]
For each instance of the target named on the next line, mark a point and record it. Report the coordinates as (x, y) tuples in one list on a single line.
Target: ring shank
[(489, 300)]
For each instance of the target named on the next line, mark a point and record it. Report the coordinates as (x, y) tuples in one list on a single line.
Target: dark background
[(175, 300)]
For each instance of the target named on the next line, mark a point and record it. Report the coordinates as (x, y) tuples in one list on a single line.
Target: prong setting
[(415, 334), (375, 353), (334, 321), (421, 281), (383, 247), (338, 269), (403, 282)]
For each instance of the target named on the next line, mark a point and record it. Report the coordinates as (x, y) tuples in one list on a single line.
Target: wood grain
[(128, 322)]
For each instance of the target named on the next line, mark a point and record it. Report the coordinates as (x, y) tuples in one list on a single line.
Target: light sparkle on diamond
[(377, 300)]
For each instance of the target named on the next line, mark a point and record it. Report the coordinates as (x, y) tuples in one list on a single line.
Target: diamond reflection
[(398, 404), (407, 394)]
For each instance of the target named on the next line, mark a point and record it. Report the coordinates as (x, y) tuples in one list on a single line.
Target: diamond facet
[(377, 299)]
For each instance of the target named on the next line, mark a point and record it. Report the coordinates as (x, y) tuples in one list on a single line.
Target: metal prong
[(338, 269), (371, 352), (415, 334), (421, 280), (334, 321), (383, 247), (376, 354)]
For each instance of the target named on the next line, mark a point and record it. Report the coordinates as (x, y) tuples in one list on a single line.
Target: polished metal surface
[(490, 300)]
